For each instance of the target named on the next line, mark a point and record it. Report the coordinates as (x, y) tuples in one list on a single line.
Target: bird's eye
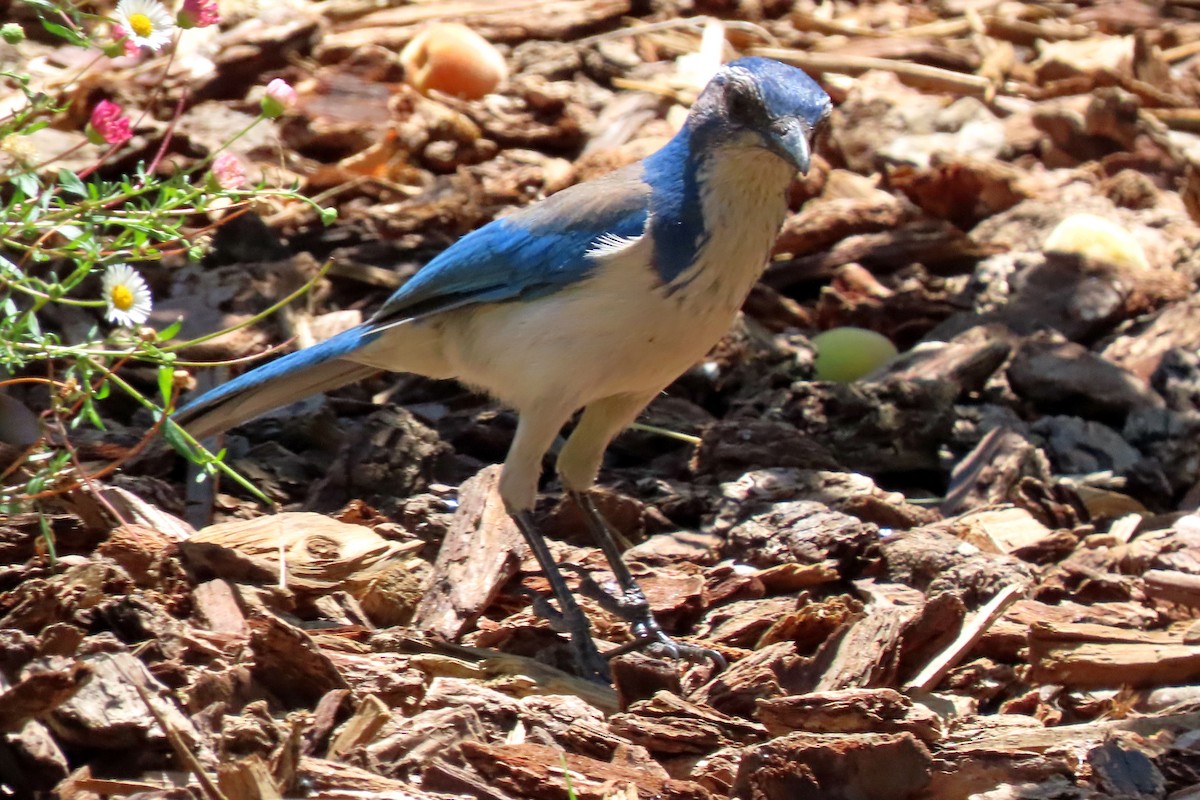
[(740, 102)]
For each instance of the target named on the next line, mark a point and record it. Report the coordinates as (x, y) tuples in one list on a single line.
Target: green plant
[(59, 227)]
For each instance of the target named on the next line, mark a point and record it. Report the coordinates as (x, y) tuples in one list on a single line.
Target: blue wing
[(534, 251), (539, 249)]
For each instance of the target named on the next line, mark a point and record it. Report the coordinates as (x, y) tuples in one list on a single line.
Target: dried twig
[(920, 76), (971, 633)]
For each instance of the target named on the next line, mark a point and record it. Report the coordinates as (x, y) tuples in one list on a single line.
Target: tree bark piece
[(536, 771), (669, 724), (1174, 587), (289, 663), (849, 711), (477, 558), (108, 712), (39, 694), (829, 766), (370, 716), (1096, 656)]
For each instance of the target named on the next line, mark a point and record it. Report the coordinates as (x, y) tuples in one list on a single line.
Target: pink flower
[(280, 98), (124, 41), (198, 14), (227, 171), (108, 124)]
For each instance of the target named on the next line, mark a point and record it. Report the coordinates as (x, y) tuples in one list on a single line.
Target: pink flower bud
[(108, 124), (227, 171), (279, 99), (198, 14), (124, 42)]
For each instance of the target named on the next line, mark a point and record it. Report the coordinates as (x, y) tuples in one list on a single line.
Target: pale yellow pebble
[(1097, 239)]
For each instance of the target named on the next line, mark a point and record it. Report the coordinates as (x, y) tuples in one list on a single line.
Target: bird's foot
[(662, 645), (632, 606), (588, 660)]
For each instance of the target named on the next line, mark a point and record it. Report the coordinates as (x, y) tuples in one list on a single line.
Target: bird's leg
[(536, 429), (578, 464), (632, 606), (570, 617)]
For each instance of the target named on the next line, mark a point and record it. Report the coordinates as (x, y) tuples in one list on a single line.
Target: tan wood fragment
[(370, 716), (1035, 737), (247, 779), (477, 558), (298, 550), (999, 530), (1085, 655), (533, 770), (1173, 586)]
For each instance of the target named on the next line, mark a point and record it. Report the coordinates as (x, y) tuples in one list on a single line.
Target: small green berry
[(12, 33), (847, 354)]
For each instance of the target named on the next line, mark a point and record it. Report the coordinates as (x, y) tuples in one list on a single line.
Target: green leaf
[(27, 182), (64, 32), (89, 411), (171, 331), (328, 215), (166, 380), (70, 183), (171, 434)]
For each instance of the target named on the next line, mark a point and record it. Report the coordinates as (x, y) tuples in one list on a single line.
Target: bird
[(591, 300)]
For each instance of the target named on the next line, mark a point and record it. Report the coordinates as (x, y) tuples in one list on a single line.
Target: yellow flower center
[(122, 298), (141, 24)]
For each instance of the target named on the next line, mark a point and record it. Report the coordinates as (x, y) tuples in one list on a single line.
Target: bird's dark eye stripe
[(744, 103)]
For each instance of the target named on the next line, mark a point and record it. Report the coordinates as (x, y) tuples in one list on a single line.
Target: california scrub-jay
[(595, 298)]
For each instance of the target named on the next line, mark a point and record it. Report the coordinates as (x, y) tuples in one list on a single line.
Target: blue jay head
[(757, 102)]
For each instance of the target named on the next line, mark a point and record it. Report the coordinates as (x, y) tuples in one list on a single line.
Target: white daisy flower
[(126, 296), (146, 22)]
